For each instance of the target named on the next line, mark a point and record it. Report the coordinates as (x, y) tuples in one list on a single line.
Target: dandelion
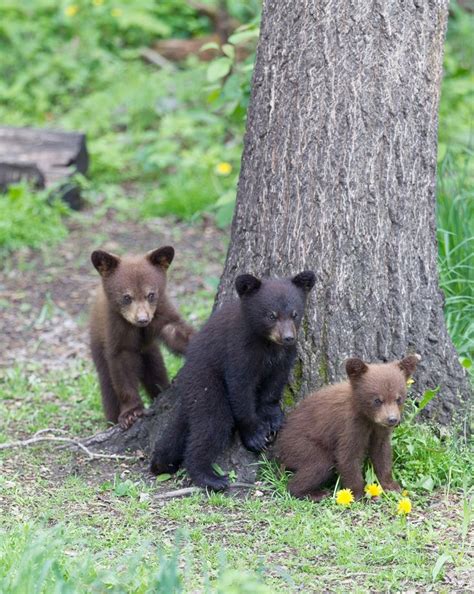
[(404, 493), (116, 12), (373, 490), (71, 10), (97, 2), (410, 381), (223, 168), (404, 506), (344, 497)]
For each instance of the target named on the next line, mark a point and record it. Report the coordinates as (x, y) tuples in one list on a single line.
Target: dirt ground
[(45, 294)]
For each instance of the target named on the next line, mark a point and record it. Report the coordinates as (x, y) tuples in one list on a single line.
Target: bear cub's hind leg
[(209, 435)]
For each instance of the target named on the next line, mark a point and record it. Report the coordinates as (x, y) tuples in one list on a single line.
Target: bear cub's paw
[(158, 467), (129, 416), (255, 441), (390, 485), (211, 481), (273, 418)]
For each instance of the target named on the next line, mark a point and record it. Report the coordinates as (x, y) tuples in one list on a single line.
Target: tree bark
[(338, 175)]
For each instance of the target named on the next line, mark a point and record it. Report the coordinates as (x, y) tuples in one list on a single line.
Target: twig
[(190, 490), (38, 439)]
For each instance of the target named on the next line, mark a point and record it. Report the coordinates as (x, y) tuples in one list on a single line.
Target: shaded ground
[(45, 295)]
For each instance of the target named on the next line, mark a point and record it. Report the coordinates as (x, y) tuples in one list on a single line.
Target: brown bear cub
[(132, 310), (335, 428)]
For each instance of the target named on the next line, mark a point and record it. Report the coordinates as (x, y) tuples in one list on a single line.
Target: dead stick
[(91, 455), (190, 490)]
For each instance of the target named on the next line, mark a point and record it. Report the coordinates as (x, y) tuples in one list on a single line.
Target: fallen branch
[(40, 439)]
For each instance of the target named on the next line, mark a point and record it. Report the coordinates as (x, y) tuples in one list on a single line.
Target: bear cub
[(131, 310), (233, 378), (335, 428)]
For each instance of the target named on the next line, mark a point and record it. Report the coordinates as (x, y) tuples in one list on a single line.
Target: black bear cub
[(335, 428), (233, 378), (130, 313)]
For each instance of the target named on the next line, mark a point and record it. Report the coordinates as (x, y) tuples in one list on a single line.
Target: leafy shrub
[(29, 218), (456, 182)]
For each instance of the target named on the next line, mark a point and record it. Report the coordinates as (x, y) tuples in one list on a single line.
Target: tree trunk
[(338, 176)]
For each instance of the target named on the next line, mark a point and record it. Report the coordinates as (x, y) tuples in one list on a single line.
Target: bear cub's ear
[(408, 364), (104, 262), (304, 280), (246, 284), (355, 368), (162, 256)]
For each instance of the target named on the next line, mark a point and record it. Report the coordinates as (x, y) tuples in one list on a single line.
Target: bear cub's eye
[(272, 315), (126, 299), (294, 315), (399, 400), (151, 296), (377, 402)]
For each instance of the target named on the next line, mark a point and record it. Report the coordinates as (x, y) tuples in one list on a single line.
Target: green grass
[(110, 531), (29, 218)]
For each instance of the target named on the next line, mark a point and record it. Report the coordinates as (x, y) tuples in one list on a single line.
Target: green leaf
[(427, 398), (218, 470), (229, 50), (426, 483), (161, 478), (210, 45), (218, 69), (244, 36), (440, 562), (465, 362)]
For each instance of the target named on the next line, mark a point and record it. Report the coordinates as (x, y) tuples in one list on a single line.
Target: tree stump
[(46, 158)]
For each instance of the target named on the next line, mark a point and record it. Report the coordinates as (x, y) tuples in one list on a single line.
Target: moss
[(292, 390)]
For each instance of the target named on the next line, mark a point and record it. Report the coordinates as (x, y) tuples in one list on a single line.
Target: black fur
[(233, 377)]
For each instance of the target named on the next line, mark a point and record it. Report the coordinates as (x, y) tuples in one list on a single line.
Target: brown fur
[(131, 310), (335, 428)]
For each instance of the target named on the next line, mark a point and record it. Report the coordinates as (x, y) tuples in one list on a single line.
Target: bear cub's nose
[(392, 421), (289, 340), (142, 320)]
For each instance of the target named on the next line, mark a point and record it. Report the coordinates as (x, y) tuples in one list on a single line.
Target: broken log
[(48, 158)]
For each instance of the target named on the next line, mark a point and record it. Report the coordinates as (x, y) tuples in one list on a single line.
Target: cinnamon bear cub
[(132, 310), (233, 378), (335, 428)]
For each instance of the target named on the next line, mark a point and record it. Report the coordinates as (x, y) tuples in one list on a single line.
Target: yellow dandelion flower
[(223, 168), (344, 497), (404, 493), (116, 12), (404, 506), (71, 10), (374, 490), (97, 2), (410, 381)]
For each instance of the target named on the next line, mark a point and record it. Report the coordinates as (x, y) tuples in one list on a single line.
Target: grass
[(111, 532), (29, 218)]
